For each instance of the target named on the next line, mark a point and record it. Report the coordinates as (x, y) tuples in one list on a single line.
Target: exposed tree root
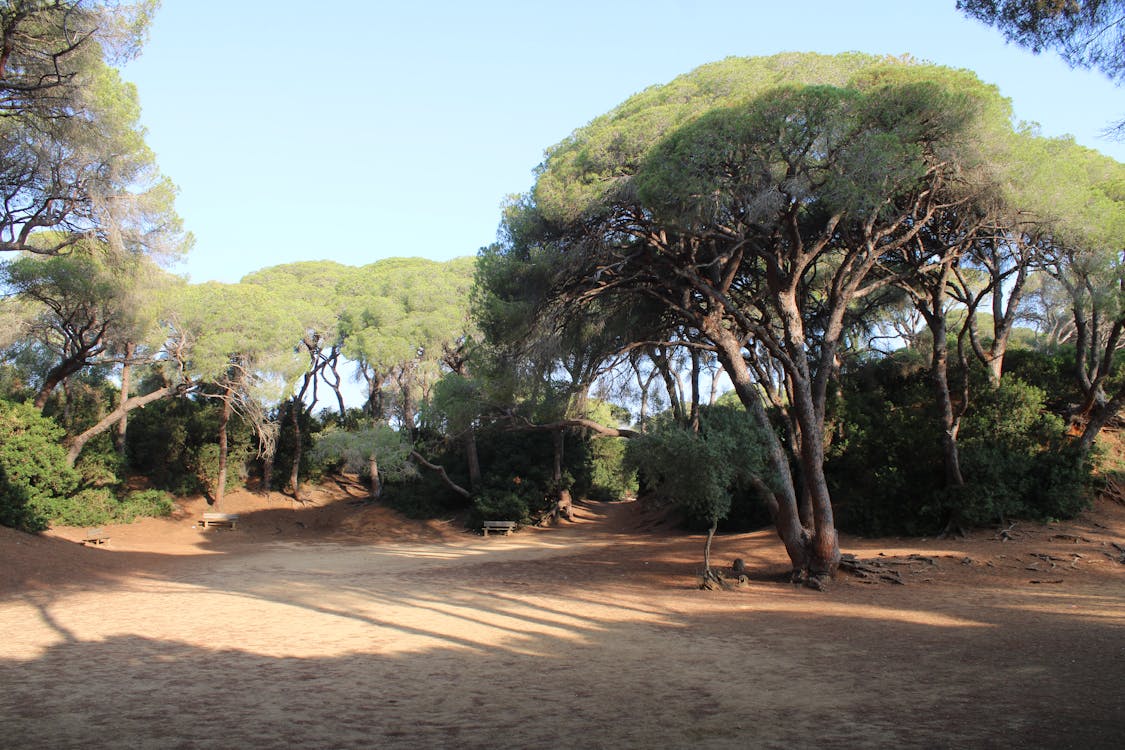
[(872, 570)]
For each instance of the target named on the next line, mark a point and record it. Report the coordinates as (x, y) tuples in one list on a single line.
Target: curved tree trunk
[(440, 470), (781, 494), (56, 375), (76, 444)]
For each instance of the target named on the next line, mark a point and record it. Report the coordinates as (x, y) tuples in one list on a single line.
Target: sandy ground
[(339, 625)]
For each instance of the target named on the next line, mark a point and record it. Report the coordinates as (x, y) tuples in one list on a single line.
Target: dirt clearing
[(344, 626)]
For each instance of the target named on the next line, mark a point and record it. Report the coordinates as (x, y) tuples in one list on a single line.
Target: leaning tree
[(758, 201)]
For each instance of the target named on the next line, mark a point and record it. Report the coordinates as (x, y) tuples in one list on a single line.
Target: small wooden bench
[(506, 526), (225, 520), (95, 536)]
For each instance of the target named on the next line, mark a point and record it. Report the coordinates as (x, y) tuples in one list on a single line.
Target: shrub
[(94, 506), (499, 505), (33, 469), (146, 503), (89, 507), (885, 463), (701, 473)]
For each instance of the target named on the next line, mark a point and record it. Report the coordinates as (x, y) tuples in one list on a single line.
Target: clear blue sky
[(357, 130)]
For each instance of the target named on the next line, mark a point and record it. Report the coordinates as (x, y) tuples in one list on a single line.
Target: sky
[(362, 129)]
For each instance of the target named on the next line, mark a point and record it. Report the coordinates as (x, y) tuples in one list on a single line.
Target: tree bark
[(707, 546), (556, 471), (224, 418), (126, 384), (373, 467), (470, 439), (783, 505), (440, 470), (295, 410), (57, 374), (74, 449)]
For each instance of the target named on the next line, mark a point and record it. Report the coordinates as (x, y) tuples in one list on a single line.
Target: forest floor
[(342, 625)]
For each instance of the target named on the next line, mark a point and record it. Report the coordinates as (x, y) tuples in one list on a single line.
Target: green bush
[(33, 469), (174, 442), (95, 506), (89, 507), (885, 464), (100, 464), (703, 473), (498, 505), (146, 504), (1016, 459)]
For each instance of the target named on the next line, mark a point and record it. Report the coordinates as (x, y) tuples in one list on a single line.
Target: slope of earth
[(337, 624)]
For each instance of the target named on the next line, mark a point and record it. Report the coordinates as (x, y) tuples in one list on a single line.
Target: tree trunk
[(556, 471), (224, 418), (267, 473), (56, 375), (126, 384), (939, 377), (373, 467), (470, 439), (675, 403), (74, 448), (783, 503), (707, 547), (693, 417), (295, 410), (825, 546)]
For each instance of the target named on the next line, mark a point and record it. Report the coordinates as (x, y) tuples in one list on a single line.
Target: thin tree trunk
[(470, 439), (939, 376), (126, 384), (224, 418), (373, 467), (295, 410), (694, 413), (556, 472), (267, 473), (707, 547)]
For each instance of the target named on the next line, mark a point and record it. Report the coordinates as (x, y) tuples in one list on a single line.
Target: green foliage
[(352, 450), (610, 478), (33, 469), (698, 472), (173, 443), (101, 505), (885, 462), (884, 466), (499, 505), (101, 465), (1016, 459)]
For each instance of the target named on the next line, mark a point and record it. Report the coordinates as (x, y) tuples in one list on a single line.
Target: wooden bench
[(95, 536), (506, 526), (225, 520)]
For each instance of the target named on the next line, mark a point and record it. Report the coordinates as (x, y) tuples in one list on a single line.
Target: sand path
[(589, 636)]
